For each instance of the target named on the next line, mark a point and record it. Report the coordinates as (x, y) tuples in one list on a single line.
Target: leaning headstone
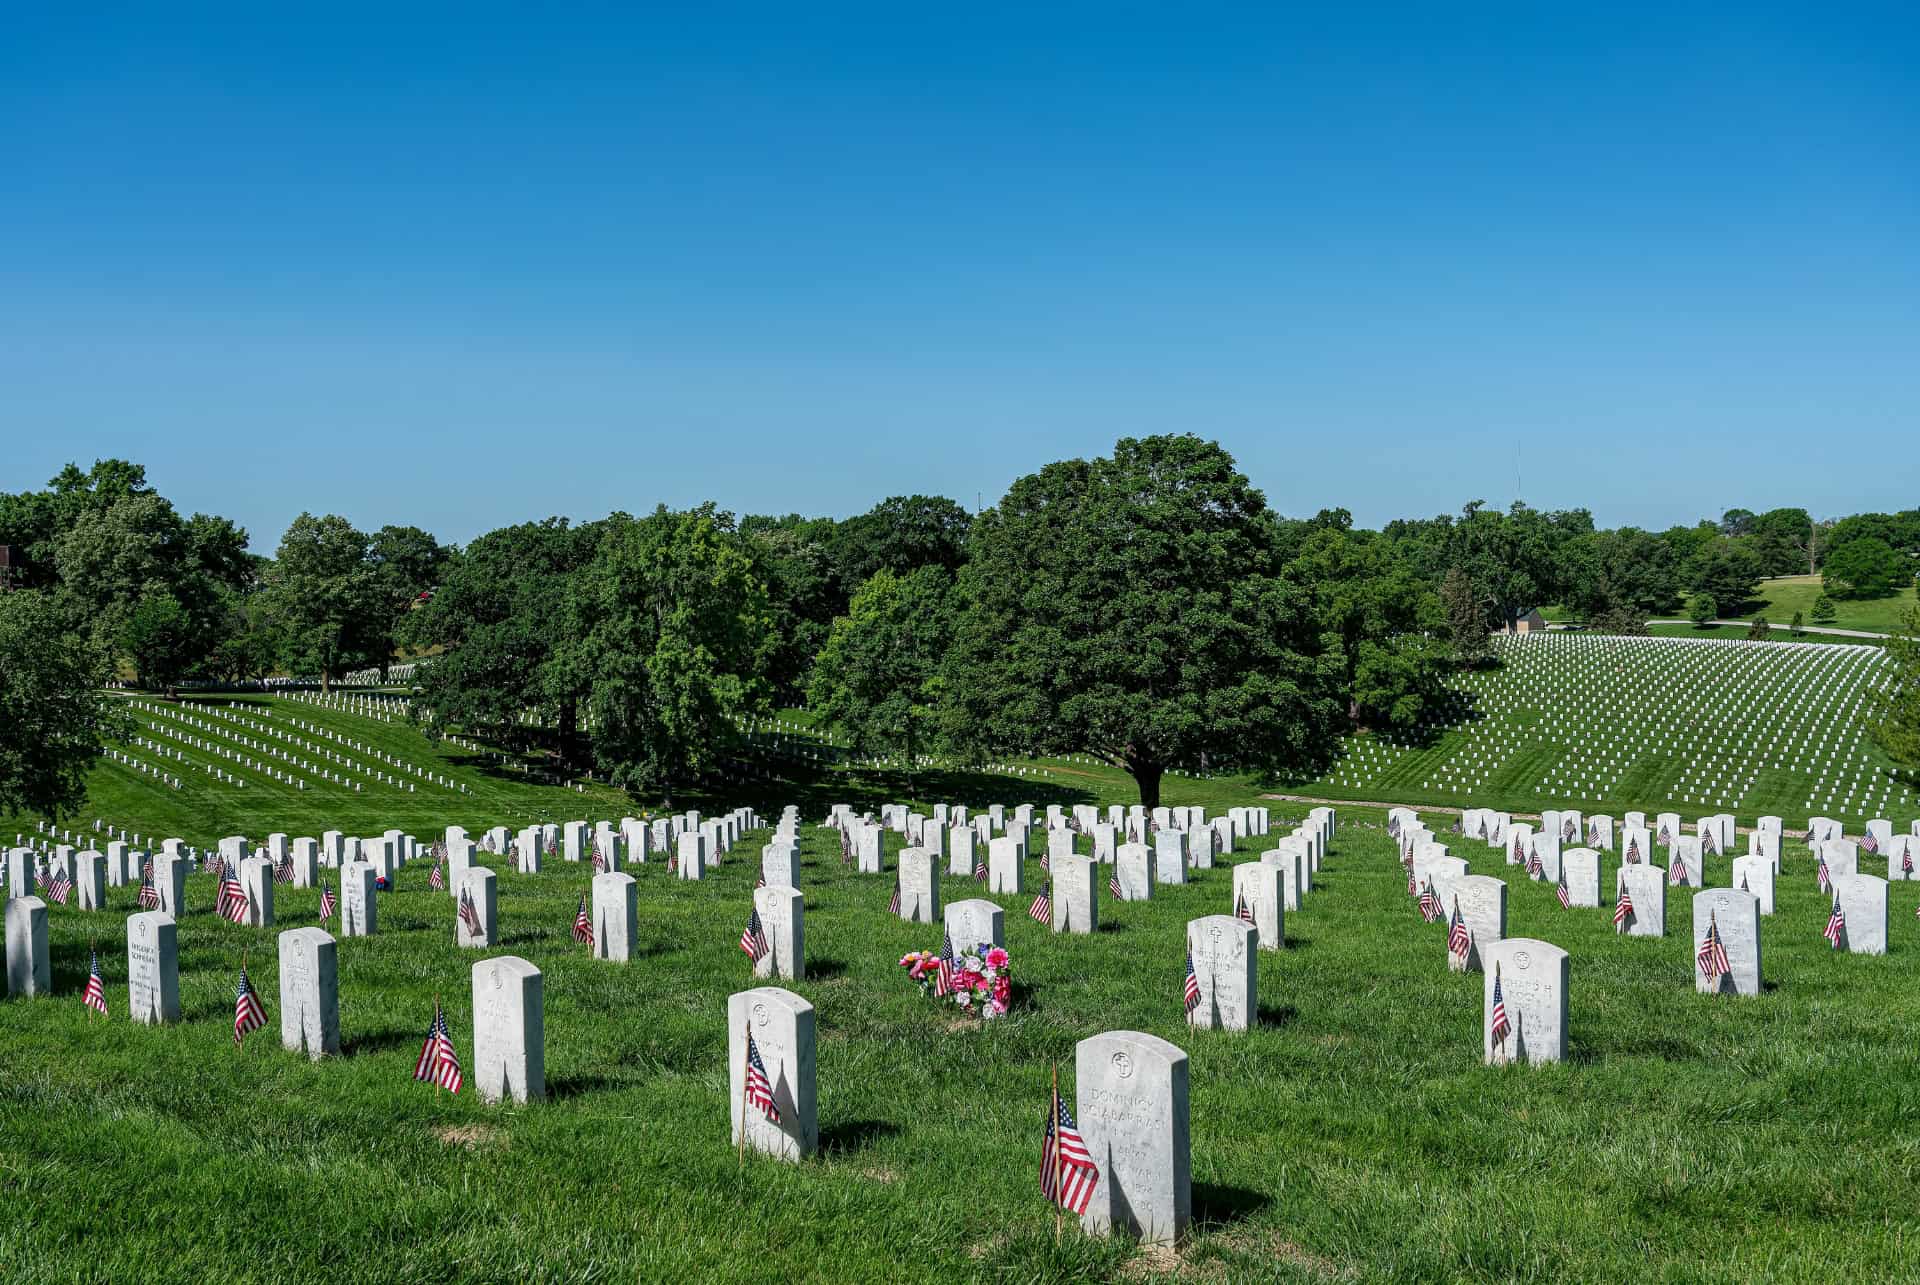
[(1257, 896), (781, 1027), (1645, 889), (1735, 916), (919, 886), (1532, 977), (1863, 907), (1133, 869), (358, 911), (1131, 1090), (1225, 957), (509, 1030), (782, 914), (153, 968), (28, 971), (476, 917), (309, 993), (974, 922)]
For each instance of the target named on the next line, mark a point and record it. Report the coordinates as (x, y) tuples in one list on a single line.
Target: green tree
[(159, 638), (1726, 571), (1400, 681), (322, 588), (1784, 541), (1131, 608), (900, 533), (792, 557), (1824, 612), (1702, 609), (1798, 624), (1375, 608), (878, 678), (1517, 559), (53, 721), (1759, 630), (1866, 567), (1627, 568), (406, 563), (1893, 718), (1469, 623), (669, 635), (1626, 620)]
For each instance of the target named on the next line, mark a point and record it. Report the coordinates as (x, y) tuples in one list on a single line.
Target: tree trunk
[(325, 675), (1147, 776)]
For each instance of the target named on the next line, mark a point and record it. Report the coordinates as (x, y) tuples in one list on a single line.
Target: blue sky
[(472, 264)]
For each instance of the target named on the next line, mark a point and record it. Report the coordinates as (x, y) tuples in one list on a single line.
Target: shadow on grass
[(852, 1135), (377, 1042), (1217, 1205), (1276, 1016), (572, 1086), (825, 969)]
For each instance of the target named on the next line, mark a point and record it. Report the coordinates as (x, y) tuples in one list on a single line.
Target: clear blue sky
[(478, 263)]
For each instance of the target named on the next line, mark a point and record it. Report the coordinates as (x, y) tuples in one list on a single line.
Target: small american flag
[(1622, 907), (753, 938), (761, 882), (599, 859), (438, 1060), (1906, 860), (437, 879), (233, 900), (582, 925), (1241, 910), (283, 873), (1393, 826), (980, 867), (1429, 903), (60, 888), (1820, 873), (1666, 835), (759, 1090), (1567, 831), (1191, 989), (1519, 850), (1113, 887), (1041, 908), (1708, 844), (95, 996), (1459, 940), (1500, 1027), (1560, 890), (1535, 870), (1870, 843), (893, 903), (217, 867), (149, 897), (327, 903), (1712, 955), (1046, 863), (1068, 1174), (1677, 872), (1412, 888), (553, 847), (470, 915), (248, 1015), (943, 975), (1633, 850), (1836, 924)]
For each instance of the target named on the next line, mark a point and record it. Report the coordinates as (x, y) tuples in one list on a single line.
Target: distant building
[(1531, 622)]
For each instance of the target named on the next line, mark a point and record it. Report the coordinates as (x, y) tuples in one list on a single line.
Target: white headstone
[(783, 919), (478, 890), (782, 1033), (28, 971), (1225, 957), (1533, 979), (1736, 915), (1131, 1091), (153, 968), (509, 1030), (309, 993)]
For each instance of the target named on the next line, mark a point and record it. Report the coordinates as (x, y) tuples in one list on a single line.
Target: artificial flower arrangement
[(982, 978)]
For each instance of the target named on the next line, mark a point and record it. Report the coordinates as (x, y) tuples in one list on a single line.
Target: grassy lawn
[(1738, 633), (1788, 594), (1353, 1135)]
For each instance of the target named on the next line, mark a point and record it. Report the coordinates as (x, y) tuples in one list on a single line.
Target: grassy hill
[(1787, 594)]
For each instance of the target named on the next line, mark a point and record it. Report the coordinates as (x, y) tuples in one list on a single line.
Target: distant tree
[(1628, 621), (1759, 630), (1516, 558), (53, 721), (1400, 681), (1797, 625), (1468, 622), (878, 679), (1824, 611), (1702, 610), (1866, 567), (1893, 719), (322, 589), (1737, 522), (667, 629), (159, 638), (1784, 541), (1372, 603), (1627, 568), (1726, 571), (1130, 607), (900, 533), (793, 558), (405, 564), (250, 643)]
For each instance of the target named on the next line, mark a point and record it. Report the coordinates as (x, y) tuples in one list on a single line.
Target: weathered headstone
[(1735, 915), (1133, 868), (783, 919), (919, 886), (28, 971), (1225, 954), (1581, 867), (509, 1030), (780, 862), (1131, 1090), (782, 1034), (309, 993), (1533, 979), (974, 922), (153, 968), (478, 924)]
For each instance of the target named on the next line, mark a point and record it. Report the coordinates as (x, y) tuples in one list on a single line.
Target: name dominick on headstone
[(1131, 1091)]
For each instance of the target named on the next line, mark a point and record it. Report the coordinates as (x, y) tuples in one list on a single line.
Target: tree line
[(1146, 607)]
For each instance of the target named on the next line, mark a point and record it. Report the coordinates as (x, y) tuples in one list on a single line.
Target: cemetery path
[(1444, 809), (1808, 629)]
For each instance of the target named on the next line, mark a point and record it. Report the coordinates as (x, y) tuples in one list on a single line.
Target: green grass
[(1738, 633), (1352, 1136), (1788, 594)]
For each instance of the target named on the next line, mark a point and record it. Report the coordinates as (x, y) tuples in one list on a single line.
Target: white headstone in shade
[(973, 923), (1131, 1095), (919, 886), (691, 855), (1225, 954), (961, 839), (170, 881), (783, 919), (1736, 916), (1686, 858), (256, 879), (1863, 907), (479, 925), (1200, 847), (1533, 979), (1257, 892), (781, 1027), (1754, 874), (1075, 894), (306, 862), (309, 993), (1841, 856), (1646, 891), (780, 862), (28, 970), (153, 968), (359, 912), (90, 881), (509, 1030), (1133, 867), (1482, 901), (1005, 870), (1581, 866)]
